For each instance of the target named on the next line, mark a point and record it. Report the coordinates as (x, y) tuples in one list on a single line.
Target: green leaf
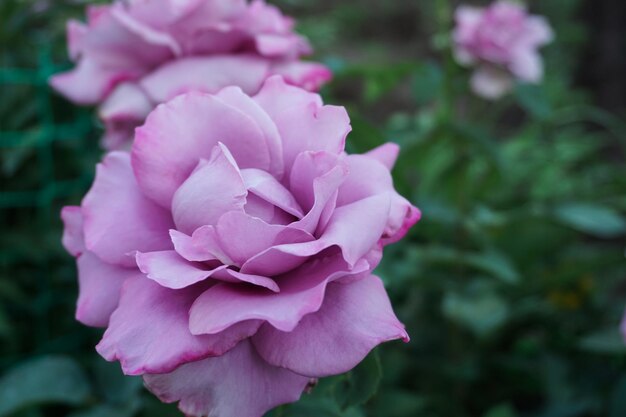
[(618, 400), (106, 410), (501, 410), (534, 100), (591, 218), (362, 382), (397, 404), (480, 312), (606, 341), (427, 80), (49, 379)]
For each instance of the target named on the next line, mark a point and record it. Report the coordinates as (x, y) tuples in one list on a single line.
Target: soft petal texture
[(99, 289), (303, 122), (354, 318), (205, 74), (169, 47), (213, 189), (73, 240), (502, 41), (309, 75), (119, 219), (177, 134), (127, 102), (237, 384), (491, 83), (160, 341), (231, 216), (302, 292)]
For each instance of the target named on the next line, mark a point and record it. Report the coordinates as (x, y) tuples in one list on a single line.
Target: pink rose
[(502, 42), (134, 54), (230, 255)]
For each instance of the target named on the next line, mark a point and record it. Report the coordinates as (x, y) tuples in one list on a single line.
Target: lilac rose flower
[(230, 254), (132, 55), (502, 42)]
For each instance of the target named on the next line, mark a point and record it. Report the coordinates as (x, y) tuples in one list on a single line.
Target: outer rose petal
[(99, 289), (527, 66), (309, 75), (205, 74), (354, 318), (491, 83), (301, 293), (178, 134), (386, 154), (149, 333), (304, 124), (127, 102), (237, 384), (89, 82), (119, 220), (73, 240)]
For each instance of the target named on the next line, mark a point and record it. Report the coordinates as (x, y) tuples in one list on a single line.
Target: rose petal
[(99, 289), (119, 220), (301, 293), (237, 384), (179, 133), (73, 240), (205, 74), (354, 319), (160, 341), (214, 188), (309, 75), (304, 124)]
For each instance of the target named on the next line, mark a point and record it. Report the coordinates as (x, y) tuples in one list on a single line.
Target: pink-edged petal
[(275, 45), (214, 188), (160, 341), (354, 319), (237, 384), (265, 186), (301, 293), (118, 218), (304, 124), (88, 83), (170, 270), (126, 102), (205, 74), (386, 154), (72, 239), (99, 286), (309, 75), (178, 134), (369, 177)]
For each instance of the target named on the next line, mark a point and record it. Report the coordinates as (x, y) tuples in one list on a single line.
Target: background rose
[(132, 55), (502, 41), (230, 256)]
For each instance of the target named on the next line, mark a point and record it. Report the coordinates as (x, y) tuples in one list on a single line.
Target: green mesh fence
[(48, 148)]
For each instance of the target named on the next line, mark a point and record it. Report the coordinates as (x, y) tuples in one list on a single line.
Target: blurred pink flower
[(230, 254), (133, 54), (502, 42)]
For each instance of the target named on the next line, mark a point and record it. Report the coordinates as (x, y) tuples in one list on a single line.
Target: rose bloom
[(230, 254), (502, 42), (134, 54)]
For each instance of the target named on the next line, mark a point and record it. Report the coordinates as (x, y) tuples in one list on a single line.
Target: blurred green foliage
[(512, 286)]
